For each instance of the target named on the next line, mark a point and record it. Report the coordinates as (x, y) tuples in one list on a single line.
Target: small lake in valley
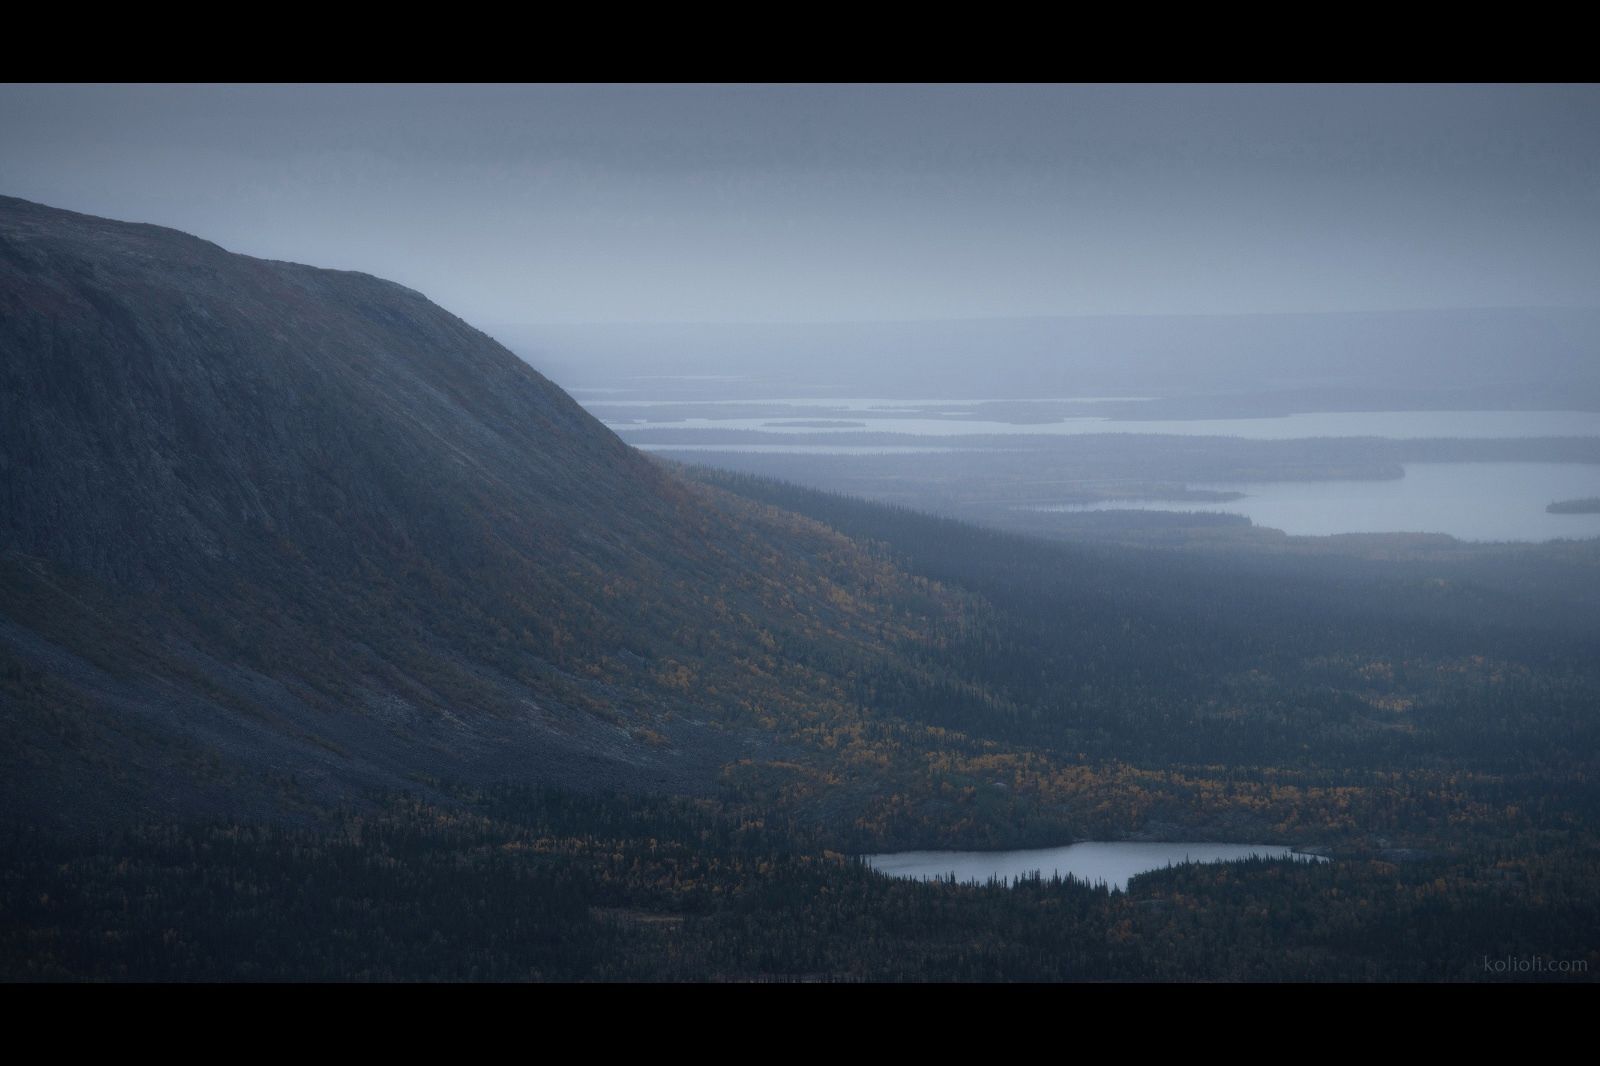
[(1112, 862)]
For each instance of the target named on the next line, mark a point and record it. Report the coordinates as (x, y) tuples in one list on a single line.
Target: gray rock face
[(271, 535), (164, 400)]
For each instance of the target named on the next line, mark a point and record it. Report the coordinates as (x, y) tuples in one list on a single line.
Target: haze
[(1192, 491), (624, 204)]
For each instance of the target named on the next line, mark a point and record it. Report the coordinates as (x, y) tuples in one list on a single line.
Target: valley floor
[(520, 885)]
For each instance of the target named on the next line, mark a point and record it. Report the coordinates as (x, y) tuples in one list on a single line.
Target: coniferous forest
[(529, 885), (338, 643), (1453, 791)]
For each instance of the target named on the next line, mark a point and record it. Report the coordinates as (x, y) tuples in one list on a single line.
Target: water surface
[(1395, 425), (1469, 501), (1112, 863), (805, 449)]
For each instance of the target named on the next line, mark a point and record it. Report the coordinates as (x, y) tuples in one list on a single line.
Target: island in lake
[(817, 423), (1588, 505)]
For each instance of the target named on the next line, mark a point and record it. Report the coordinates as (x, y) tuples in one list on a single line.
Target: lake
[(1476, 501), (1112, 863), (902, 417), (805, 449), (1469, 501)]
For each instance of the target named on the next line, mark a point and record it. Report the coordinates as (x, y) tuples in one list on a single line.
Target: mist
[(674, 533), (683, 203), (1011, 304)]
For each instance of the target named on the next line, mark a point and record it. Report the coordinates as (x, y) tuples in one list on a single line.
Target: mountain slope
[(270, 534), (273, 537)]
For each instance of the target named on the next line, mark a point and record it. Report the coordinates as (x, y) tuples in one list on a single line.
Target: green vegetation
[(530, 885), (1345, 714), (1589, 505), (298, 571)]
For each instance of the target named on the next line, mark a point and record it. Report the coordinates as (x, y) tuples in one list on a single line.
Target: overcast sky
[(817, 203)]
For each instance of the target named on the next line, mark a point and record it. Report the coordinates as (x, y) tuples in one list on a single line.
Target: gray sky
[(816, 203)]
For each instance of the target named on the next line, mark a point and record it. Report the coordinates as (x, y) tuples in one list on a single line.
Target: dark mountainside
[(336, 643), (276, 537), (271, 534)]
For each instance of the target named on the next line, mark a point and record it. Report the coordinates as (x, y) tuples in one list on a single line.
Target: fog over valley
[(800, 533), (982, 428)]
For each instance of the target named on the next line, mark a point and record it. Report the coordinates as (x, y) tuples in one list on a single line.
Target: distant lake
[(886, 418), (1112, 863), (858, 404), (806, 449), (1470, 501)]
